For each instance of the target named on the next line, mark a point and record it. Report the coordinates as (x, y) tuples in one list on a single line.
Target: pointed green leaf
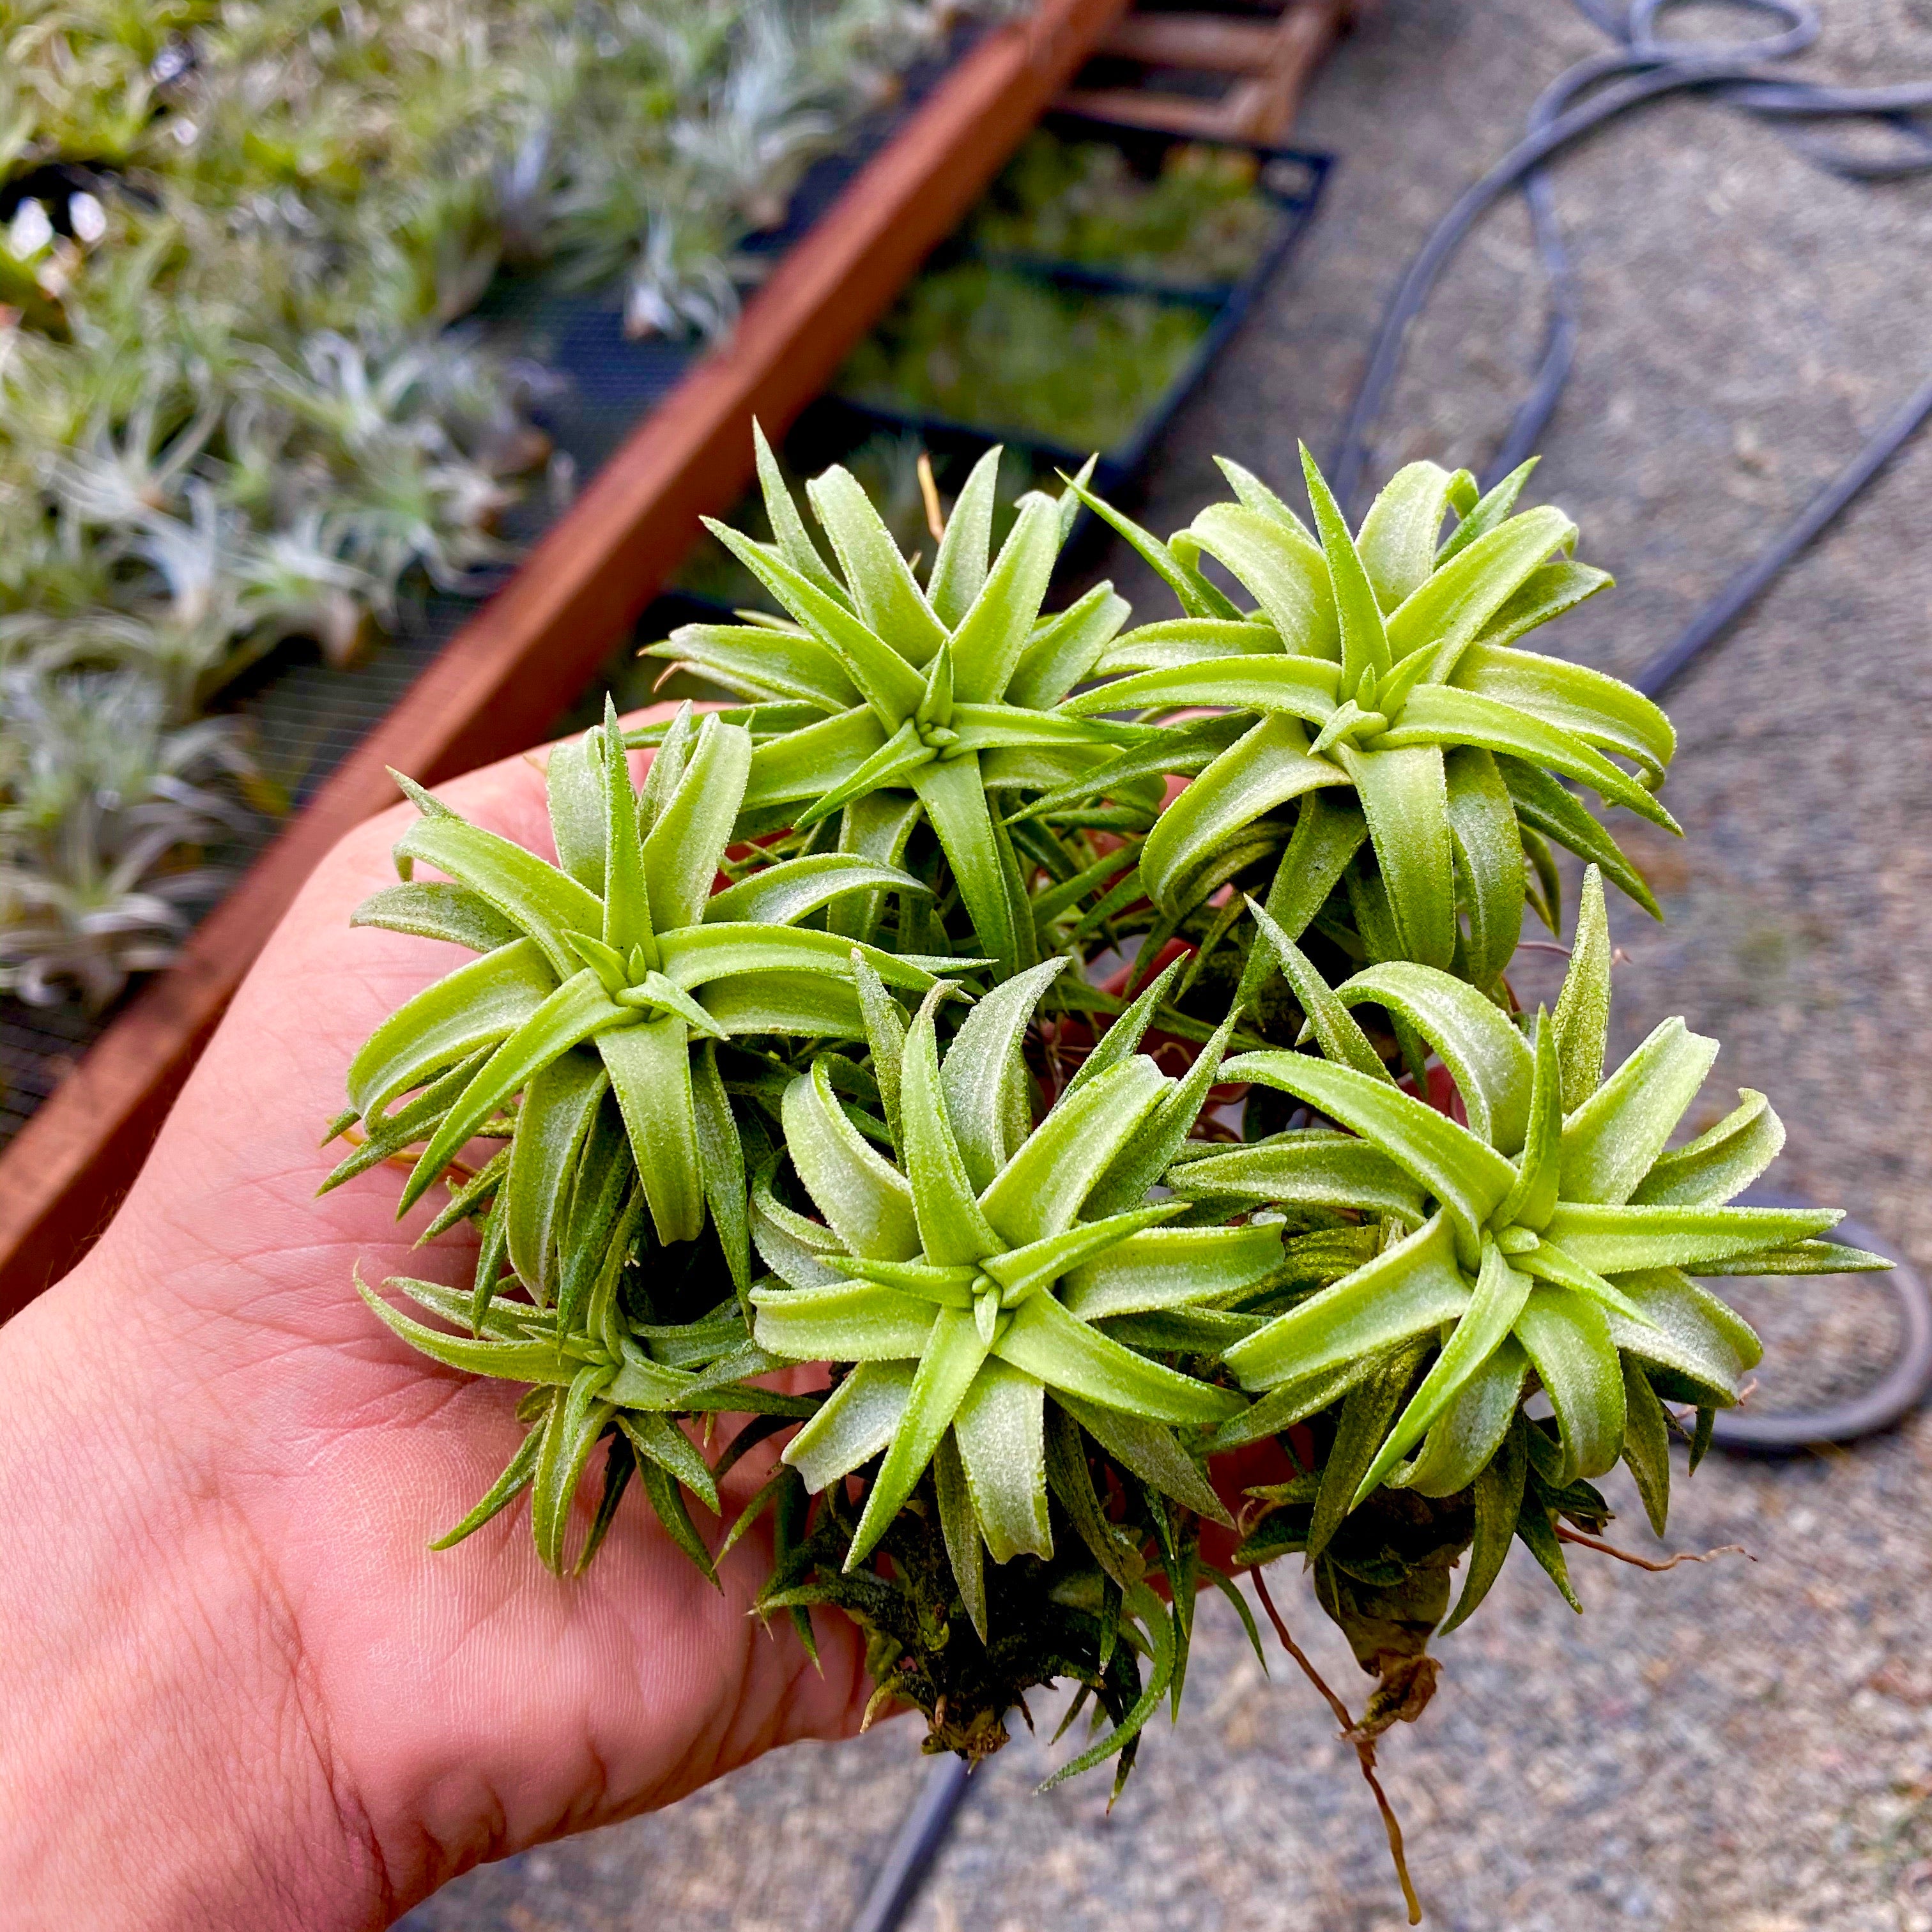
[(1281, 568), (1466, 1174), (1365, 644), (536, 1361), (960, 1526), (1187, 640), (1610, 1141), (992, 636), (1399, 535), (1067, 1355), (810, 762), (578, 1010), (1071, 1483), (1366, 1412), (1647, 1445), (955, 802), (891, 685), (1268, 766), (1329, 830), (650, 1071), (952, 1229), (792, 1002), (1198, 597), (535, 897), (1335, 1032), (794, 541), (1172, 1267), (1690, 1330), (1126, 1031), (1489, 860), (1041, 1189), (959, 566), (1544, 806), (756, 661), (1455, 601), (984, 1078), (1499, 1499), (1472, 1429), (1615, 1239), (1022, 1271), (1718, 1164), (1314, 1168), (855, 1321), (1411, 1289), (681, 856), (853, 1426), (573, 788), (888, 597), (1567, 1338), (1441, 714), (434, 909), (1152, 1453), (1146, 1155), (721, 1166), (1582, 1017), (952, 1359), (1499, 1296), (504, 1491), (1487, 1057), (1065, 648), (1405, 796), (701, 956), (864, 1199), (1000, 1430)]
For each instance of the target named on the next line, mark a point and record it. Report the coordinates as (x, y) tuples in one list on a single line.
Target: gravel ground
[(1739, 1746)]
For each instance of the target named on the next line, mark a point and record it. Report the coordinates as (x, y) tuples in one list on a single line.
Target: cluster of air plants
[(233, 240), (1005, 348), (1163, 1187), (1198, 218)]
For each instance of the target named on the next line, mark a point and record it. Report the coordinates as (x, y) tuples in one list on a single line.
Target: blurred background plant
[(239, 401)]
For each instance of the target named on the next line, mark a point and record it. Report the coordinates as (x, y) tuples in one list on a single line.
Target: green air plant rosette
[(1377, 687), (802, 1053), (1548, 1245), (896, 703)]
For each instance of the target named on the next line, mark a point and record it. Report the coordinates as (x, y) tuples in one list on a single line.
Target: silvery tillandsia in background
[(240, 401), (1166, 1179)]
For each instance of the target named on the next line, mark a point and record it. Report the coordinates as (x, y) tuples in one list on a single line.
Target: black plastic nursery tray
[(1061, 355), (879, 430)]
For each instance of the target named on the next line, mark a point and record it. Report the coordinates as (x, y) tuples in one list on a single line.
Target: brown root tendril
[(1364, 1746), (1564, 1533)]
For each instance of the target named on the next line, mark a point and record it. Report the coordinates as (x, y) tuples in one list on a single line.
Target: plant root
[(1364, 1746), (1564, 1533)]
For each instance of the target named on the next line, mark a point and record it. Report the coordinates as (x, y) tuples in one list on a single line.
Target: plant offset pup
[(803, 1052)]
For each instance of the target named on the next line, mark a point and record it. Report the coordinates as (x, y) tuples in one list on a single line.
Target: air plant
[(1003, 349), (104, 803), (926, 699), (1198, 220), (1377, 687), (1056, 1267)]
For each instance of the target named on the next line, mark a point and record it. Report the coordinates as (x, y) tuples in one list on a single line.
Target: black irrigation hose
[(1889, 1401), (1641, 68), (920, 1834)]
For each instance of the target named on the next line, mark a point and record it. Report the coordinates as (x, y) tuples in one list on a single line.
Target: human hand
[(242, 1689)]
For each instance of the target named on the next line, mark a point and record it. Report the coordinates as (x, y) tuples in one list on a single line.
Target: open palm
[(285, 1463)]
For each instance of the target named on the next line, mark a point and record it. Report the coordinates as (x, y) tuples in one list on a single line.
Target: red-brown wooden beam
[(529, 651)]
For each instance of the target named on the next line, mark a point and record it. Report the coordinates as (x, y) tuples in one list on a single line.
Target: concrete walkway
[(1733, 1746)]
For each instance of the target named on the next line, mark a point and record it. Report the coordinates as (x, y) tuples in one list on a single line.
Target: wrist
[(162, 1764)]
